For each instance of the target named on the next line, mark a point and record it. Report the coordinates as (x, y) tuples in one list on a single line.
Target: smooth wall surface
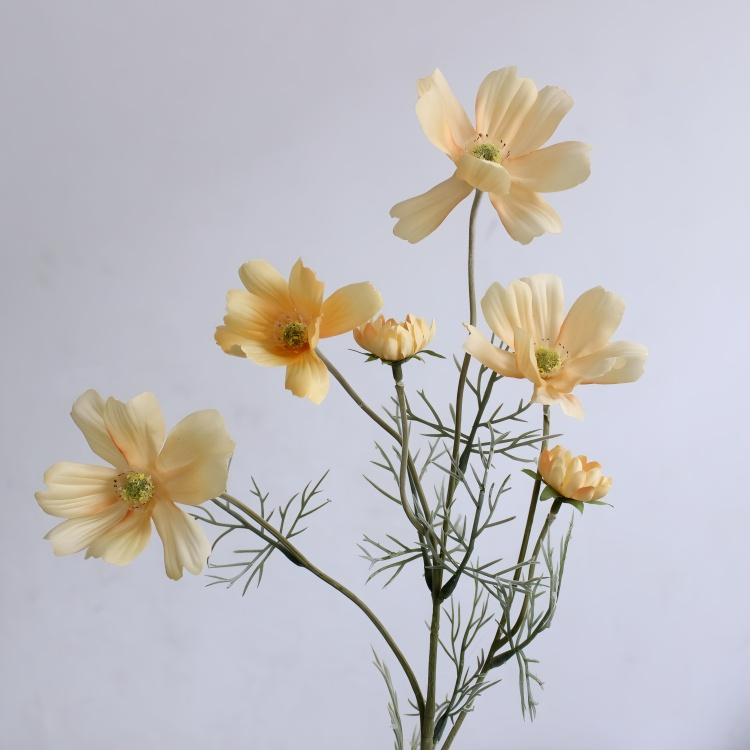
[(148, 149)]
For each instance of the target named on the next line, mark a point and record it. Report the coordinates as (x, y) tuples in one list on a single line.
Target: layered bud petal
[(573, 477), (392, 341)]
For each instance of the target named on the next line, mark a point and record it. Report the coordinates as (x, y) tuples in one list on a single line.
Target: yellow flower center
[(294, 334), (548, 361), (487, 152), (136, 490), (483, 148)]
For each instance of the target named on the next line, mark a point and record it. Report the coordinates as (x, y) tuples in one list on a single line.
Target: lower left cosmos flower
[(109, 509)]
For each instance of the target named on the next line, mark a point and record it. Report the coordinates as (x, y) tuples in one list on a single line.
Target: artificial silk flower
[(392, 341), (573, 477), (502, 156), (109, 510), (555, 354), (278, 323)]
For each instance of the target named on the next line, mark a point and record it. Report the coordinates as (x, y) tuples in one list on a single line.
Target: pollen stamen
[(548, 361), (487, 152), (136, 490), (294, 334)]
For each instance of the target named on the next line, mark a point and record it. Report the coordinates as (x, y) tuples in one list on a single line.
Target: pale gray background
[(150, 148)]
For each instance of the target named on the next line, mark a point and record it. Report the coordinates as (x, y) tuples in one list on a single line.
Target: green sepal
[(431, 353), (599, 502), (548, 493), (533, 474), (577, 504)]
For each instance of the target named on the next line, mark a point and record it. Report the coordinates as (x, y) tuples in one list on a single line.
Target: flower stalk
[(304, 562)]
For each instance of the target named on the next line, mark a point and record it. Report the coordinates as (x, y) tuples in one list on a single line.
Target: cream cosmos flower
[(392, 341), (502, 156), (573, 477), (555, 354), (109, 510), (275, 323)]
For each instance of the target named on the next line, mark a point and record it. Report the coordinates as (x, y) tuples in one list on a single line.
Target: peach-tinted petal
[(582, 369), (573, 477), (541, 120), (591, 321), (262, 279), (507, 309), (548, 307), (124, 541), (525, 214), (229, 341), (526, 356), (305, 290), (88, 414), (249, 330), (392, 341), (260, 353), (491, 356), (308, 377), (547, 394), (534, 304), (193, 465), (251, 316), (628, 365), (137, 428), (570, 405), (503, 100), (483, 175), (443, 119), (348, 308), (185, 542), (78, 533), (422, 215), (554, 168), (77, 490), (603, 488)]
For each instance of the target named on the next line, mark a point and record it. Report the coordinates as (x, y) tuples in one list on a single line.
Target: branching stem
[(283, 541)]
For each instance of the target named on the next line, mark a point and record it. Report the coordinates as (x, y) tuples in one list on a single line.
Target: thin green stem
[(453, 481), (428, 721), (341, 589), (398, 377), (428, 724), (551, 516), (534, 497), (500, 638), (472, 295), (245, 525), (491, 660), (385, 426)]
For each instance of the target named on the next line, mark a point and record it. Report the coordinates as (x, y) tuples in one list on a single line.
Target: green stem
[(245, 525), (398, 377), (342, 590), (387, 428), (428, 721), (534, 497), (472, 296), (453, 481), (500, 639), (496, 661)]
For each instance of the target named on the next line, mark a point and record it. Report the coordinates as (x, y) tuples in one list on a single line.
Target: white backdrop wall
[(149, 149)]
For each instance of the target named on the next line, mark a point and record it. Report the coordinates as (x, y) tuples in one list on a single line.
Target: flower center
[(294, 334), (548, 361), (136, 490), (487, 152), (483, 148)]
